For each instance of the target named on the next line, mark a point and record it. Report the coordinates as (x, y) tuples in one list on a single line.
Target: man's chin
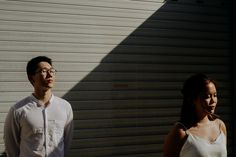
[(47, 87)]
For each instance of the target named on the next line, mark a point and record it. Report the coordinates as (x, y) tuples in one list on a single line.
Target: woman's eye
[(206, 96)]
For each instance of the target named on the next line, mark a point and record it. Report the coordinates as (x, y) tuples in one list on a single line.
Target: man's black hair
[(32, 65)]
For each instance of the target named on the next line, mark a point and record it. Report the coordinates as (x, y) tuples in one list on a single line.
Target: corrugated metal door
[(121, 64)]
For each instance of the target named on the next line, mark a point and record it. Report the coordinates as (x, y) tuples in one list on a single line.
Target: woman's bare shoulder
[(177, 134), (174, 140)]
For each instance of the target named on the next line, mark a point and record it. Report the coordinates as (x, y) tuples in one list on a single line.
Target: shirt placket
[(45, 118)]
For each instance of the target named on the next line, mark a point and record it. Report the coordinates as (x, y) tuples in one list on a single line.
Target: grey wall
[(121, 64)]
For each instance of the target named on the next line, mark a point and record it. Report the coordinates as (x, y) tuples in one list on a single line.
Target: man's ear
[(30, 78)]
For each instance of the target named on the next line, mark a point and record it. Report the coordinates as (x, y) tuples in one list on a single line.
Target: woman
[(199, 133)]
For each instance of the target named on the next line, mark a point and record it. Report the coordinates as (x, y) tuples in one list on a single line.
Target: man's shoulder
[(21, 103), (61, 100)]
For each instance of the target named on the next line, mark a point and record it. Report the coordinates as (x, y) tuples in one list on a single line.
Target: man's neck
[(43, 96)]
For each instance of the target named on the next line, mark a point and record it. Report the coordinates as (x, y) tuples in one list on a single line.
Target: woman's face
[(207, 100)]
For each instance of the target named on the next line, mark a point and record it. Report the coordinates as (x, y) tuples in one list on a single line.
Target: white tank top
[(195, 146)]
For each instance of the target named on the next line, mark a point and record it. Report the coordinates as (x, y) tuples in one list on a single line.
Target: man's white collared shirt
[(32, 130)]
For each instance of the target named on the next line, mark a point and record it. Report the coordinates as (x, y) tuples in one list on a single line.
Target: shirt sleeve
[(68, 131), (12, 134)]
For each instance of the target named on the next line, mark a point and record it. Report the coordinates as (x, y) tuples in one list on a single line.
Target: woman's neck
[(203, 120)]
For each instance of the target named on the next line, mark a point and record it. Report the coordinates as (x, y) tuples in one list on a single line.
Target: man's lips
[(49, 81)]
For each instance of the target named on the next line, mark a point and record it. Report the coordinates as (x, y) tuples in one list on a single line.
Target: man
[(41, 124)]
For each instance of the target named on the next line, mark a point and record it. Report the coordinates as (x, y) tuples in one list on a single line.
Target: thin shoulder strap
[(220, 126), (185, 128)]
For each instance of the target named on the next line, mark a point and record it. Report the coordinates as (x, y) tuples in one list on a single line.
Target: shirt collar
[(38, 102)]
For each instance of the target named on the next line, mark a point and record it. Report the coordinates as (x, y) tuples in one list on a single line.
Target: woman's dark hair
[(191, 90)]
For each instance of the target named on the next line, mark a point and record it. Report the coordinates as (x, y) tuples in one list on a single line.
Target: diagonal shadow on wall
[(126, 105)]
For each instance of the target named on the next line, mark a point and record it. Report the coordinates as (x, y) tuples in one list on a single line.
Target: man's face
[(44, 77)]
